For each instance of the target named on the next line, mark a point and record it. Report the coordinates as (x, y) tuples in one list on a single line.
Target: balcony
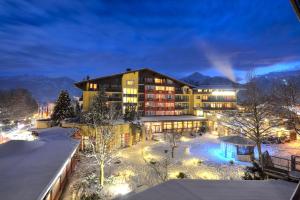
[(223, 108), (113, 89), (181, 100), (218, 100), (114, 98)]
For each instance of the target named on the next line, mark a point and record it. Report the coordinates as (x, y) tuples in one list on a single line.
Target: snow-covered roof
[(188, 189), (27, 168), (171, 118), (238, 140)]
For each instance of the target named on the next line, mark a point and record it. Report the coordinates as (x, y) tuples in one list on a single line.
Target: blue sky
[(78, 38)]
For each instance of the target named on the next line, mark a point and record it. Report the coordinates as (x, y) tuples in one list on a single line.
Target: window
[(149, 80), (161, 88), (93, 86), (130, 82), (129, 91), (204, 97), (170, 89), (169, 81), (197, 97), (167, 125), (213, 105), (129, 99), (158, 80)]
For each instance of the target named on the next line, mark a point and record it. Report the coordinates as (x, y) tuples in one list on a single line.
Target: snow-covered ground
[(198, 158)]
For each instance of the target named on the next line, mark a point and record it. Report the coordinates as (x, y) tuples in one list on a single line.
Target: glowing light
[(223, 93), (191, 162), (173, 174), (126, 174), (185, 139), (20, 126), (206, 175), (119, 189), (187, 151)]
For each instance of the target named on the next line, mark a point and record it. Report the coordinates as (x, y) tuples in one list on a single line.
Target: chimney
[(128, 69)]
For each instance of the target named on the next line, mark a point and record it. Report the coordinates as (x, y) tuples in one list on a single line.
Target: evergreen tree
[(130, 114), (63, 108)]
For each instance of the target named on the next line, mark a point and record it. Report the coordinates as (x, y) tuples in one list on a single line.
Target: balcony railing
[(222, 108), (113, 89), (114, 98), (218, 100)]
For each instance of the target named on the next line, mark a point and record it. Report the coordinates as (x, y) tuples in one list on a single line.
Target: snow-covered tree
[(160, 168), (257, 121), (16, 104), (101, 117), (286, 98), (173, 140), (130, 114), (63, 108)]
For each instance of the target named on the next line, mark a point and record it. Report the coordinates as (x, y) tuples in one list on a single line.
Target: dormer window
[(93, 86)]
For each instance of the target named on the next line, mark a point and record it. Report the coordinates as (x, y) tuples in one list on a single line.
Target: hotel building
[(164, 103)]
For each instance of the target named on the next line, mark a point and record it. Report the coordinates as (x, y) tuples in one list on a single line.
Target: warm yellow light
[(173, 174), (191, 162), (206, 175), (119, 189), (185, 139), (223, 93)]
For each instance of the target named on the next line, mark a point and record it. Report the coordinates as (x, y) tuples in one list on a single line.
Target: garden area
[(146, 164)]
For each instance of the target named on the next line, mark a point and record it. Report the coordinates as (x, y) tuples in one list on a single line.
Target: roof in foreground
[(171, 118), (27, 168), (214, 190)]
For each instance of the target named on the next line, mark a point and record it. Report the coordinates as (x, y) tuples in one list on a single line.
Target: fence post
[(293, 163)]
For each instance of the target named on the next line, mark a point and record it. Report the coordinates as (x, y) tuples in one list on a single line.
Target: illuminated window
[(130, 82), (170, 89), (129, 99), (177, 125), (161, 88), (93, 86), (129, 91), (219, 105), (205, 97), (158, 80), (213, 105), (167, 125)]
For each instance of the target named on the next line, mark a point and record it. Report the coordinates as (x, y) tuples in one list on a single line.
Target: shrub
[(181, 175)]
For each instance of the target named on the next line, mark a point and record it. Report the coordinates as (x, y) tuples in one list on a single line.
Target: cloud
[(99, 37)]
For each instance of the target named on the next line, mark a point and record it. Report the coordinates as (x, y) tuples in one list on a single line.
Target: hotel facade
[(164, 103)]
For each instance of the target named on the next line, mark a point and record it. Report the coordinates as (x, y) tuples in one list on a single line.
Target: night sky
[(79, 38)]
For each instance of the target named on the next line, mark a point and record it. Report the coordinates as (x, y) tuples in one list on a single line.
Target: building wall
[(130, 83), (184, 99), (87, 99), (124, 134)]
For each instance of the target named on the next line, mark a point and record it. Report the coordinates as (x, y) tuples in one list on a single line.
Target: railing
[(111, 89), (295, 163), (114, 98), (222, 108), (218, 100), (281, 163)]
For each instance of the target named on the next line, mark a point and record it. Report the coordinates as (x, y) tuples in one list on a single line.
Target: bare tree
[(285, 99), (173, 139), (258, 119), (160, 168), (101, 117)]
